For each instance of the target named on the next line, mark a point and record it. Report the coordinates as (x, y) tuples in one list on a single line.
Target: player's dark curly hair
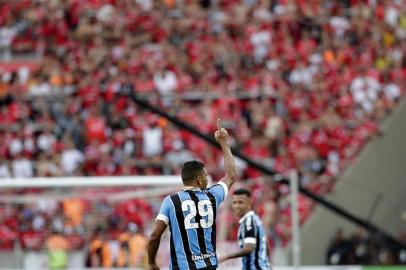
[(191, 169)]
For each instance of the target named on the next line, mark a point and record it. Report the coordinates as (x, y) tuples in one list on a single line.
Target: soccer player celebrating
[(191, 214), (251, 234)]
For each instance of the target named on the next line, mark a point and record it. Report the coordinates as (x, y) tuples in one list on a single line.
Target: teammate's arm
[(153, 243), (247, 249), (221, 136)]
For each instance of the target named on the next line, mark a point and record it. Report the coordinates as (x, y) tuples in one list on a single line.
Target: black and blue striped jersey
[(191, 217), (251, 231)]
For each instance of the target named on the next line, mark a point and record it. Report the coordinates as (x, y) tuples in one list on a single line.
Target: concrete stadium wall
[(377, 177)]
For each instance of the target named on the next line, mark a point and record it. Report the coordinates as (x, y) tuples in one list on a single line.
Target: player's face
[(241, 204), (203, 179)]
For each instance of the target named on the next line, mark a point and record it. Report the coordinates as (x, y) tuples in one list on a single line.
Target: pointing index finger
[(219, 124)]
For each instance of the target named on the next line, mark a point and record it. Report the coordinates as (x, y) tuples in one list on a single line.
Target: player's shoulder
[(257, 220), (169, 198), (249, 218), (256, 217), (220, 185)]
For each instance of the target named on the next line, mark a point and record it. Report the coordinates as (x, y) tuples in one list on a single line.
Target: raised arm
[(221, 136)]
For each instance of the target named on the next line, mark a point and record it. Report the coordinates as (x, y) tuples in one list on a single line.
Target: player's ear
[(200, 179)]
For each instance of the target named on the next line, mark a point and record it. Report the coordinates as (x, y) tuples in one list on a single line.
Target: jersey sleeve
[(219, 191), (164, 210), (250, 231)]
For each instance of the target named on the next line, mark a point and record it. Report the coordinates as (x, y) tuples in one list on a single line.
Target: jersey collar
[(187, 188), (249, 213)]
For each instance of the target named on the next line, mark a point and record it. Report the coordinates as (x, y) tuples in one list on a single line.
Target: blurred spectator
[(46, 141), (48, 165), (152, 140), (337, 252), (71, 158), (99, 251), (274, 131), (178, 155), (4, 168), (365, 90), (165, 82), (7, 235), (8, 32), (22, 167), (73, 211), (132, 252), (58, 247)]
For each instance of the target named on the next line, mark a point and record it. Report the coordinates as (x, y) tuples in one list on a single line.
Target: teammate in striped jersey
[(191, 214), (251, 235)]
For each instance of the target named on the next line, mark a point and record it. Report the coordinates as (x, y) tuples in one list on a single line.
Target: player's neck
[(245, 214)]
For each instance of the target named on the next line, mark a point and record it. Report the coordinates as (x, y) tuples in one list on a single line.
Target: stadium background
[(299, 84)]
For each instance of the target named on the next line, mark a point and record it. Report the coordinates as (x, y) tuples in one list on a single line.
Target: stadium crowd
[(301, 84)]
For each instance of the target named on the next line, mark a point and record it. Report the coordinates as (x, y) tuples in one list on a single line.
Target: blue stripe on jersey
[(191, 216), (251, 227)]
